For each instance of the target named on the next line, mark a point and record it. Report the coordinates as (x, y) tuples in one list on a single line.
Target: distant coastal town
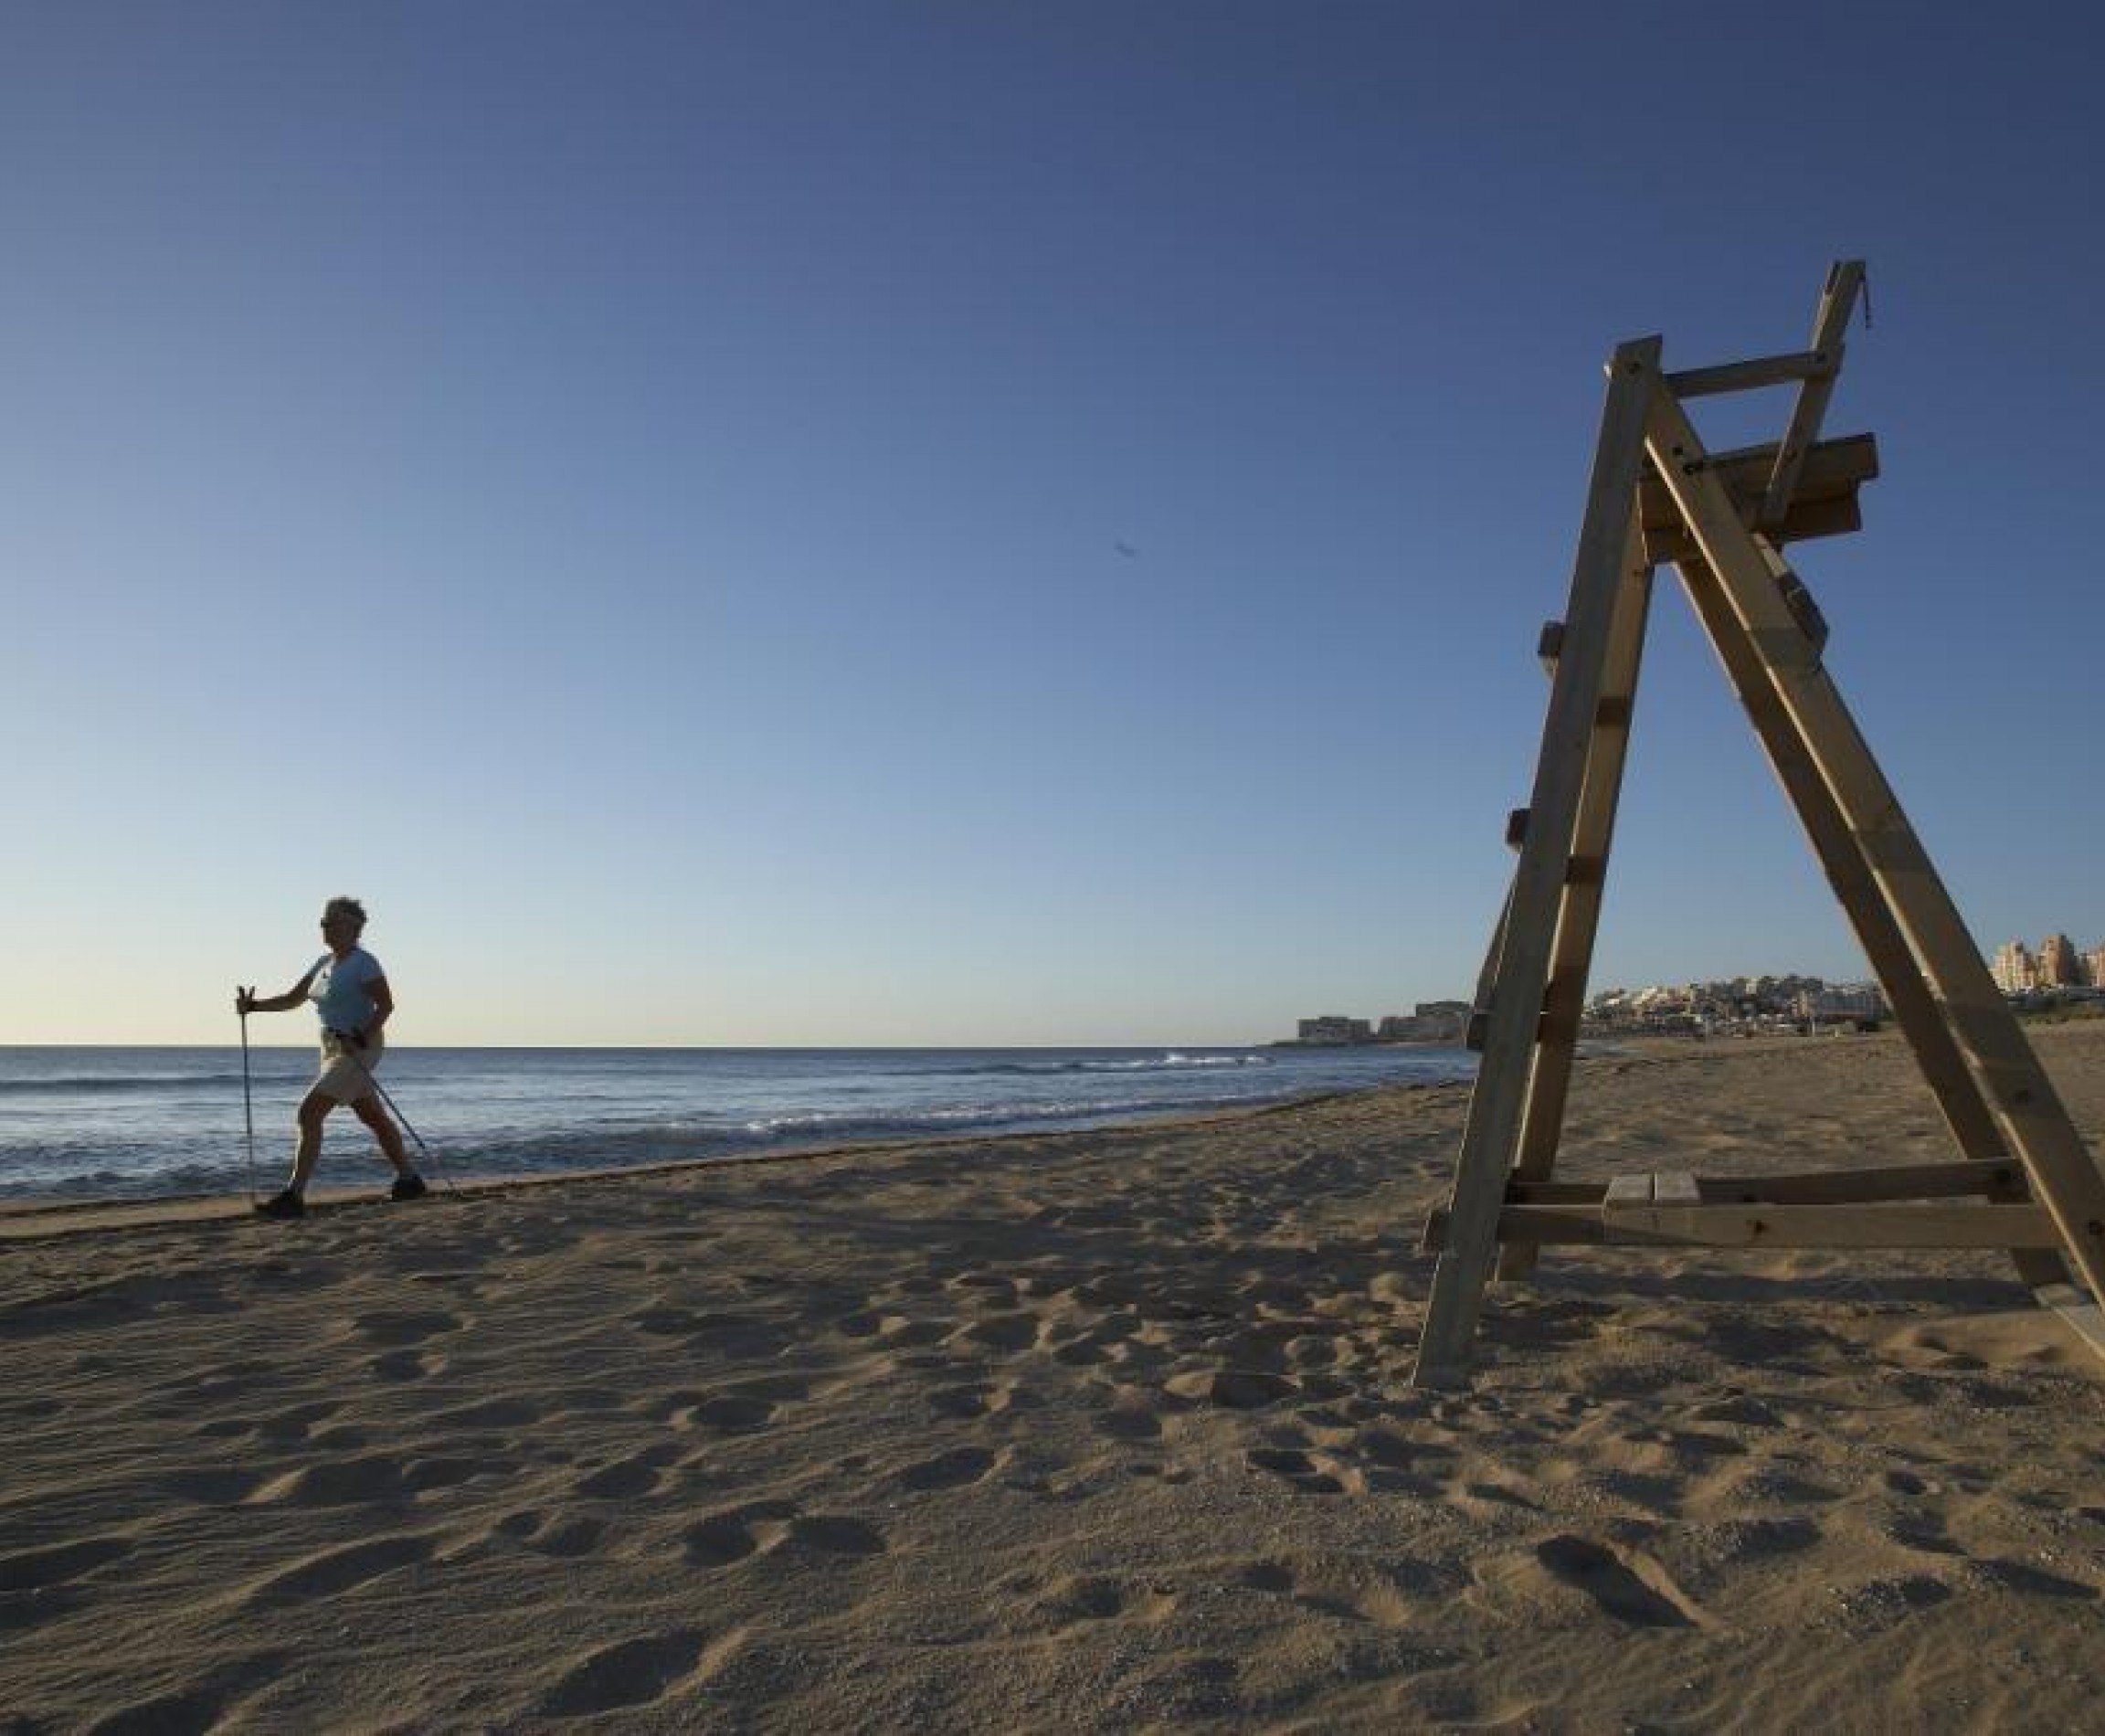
[(2056, 974)]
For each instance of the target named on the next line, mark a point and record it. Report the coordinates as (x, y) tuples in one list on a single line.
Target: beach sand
[(1092, 1431)]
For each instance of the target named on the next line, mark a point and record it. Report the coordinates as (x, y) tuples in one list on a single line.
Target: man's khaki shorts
[(346, 1073)]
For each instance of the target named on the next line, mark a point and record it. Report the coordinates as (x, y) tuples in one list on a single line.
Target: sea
[(136, 1122)]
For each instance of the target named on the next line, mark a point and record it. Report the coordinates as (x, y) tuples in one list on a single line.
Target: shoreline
[(141, 1211)]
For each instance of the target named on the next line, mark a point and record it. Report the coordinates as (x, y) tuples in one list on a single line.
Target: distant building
[(2094, 966), (1857, 1002), (2014, 970), (1335, 1028), (1431, 1021), (2060, 967)]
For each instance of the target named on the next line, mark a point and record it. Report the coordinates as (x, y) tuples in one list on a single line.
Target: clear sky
[(951, 523)]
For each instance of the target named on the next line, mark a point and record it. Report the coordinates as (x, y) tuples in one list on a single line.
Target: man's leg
[(314, 1110), (373, 1114)]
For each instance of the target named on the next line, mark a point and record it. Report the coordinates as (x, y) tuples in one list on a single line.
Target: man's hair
[(349, 907)]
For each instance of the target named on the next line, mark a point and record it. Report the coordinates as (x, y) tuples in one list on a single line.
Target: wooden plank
[(1806, 522), (1837, 302), (1585, 885), (1495, 1104), (1834, 469), (2003, 1181), (1676, 1187), (1628, 1191), (1746, 377), (2026, 1108), (1524, 1226), (1743, 1228), (1830, 1226)]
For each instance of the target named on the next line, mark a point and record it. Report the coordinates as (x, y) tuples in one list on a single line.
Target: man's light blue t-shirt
[(338, 990)]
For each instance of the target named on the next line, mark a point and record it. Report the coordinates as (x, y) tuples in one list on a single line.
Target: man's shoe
[(287, 1205), (408, 1187)]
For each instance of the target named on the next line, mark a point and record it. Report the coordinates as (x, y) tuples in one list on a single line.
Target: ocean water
[(141, 1121)]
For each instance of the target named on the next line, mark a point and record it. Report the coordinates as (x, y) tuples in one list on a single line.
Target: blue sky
[(637, 494)]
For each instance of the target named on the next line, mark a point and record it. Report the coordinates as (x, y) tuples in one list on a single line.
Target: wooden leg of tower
[(1495, 1105), (1915, 1009), (1585, 880), (2064, 1177)]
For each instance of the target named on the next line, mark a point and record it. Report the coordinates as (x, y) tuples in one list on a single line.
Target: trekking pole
[(438, 1167), (248, 1100)]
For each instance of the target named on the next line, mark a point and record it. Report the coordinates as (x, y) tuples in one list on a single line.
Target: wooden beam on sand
[(1643, 1223)]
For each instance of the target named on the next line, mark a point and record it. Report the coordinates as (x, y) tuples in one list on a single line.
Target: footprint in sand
[(1093, 1597), (1310, 1473), (719, 1540), (405, 1365), (208, 1485), (953, 1469), (733, 1413), (396, 1328), (338, 1569), (491, 1413), (1005, 1331), (624, 1480), (1232, 1389), (731, 1536), (982, 1399), (2031, 1581), (570, 1538), (637, 1672), (34, 1569), (336, 1482), (446, 1471), (1626, 1585), (831, 1534)]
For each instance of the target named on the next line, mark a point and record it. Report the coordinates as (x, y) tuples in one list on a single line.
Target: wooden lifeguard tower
[(2024, 1180)]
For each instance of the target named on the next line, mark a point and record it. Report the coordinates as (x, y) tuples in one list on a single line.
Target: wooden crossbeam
[(1863, 1186), (1744, 376), (1645, 1223)]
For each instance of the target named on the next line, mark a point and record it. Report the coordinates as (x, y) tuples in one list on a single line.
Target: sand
[(1081, 1432)]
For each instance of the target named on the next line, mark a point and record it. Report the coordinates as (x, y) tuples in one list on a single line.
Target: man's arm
[(248, 1001), (383, 1009)]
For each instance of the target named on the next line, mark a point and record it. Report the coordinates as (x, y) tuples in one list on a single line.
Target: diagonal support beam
[(1838, 301), (2026, 1109), (1585, 883), (1920, 1019), (1495, 1105)]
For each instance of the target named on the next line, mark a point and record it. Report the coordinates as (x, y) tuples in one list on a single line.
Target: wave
[(103, 1084), (1171, 1063), (674, 1142)]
